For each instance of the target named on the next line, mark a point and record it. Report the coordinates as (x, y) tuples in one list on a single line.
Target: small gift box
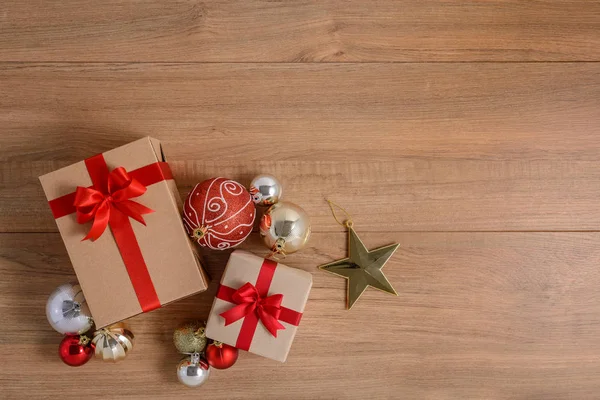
[(118, 215), (259, 305)]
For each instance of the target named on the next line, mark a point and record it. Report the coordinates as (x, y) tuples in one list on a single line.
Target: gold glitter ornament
[(190, 338)]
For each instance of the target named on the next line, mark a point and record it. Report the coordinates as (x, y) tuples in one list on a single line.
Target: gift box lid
[(292, 283), (168, 256)]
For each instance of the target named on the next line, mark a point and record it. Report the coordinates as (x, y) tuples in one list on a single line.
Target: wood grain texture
[(467, 131), (438, 147), (311, 112), (299, 31), (479, 315), (404, 195)]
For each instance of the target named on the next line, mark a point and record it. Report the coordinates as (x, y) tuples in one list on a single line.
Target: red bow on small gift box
[(249, 301), (254, 305)]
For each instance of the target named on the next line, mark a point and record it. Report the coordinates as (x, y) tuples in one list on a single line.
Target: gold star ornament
[(362, 268)]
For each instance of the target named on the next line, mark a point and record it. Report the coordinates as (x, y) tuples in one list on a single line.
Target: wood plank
[(307, 31), (440, 147), (479, 315), (404, 195), (256, 112)]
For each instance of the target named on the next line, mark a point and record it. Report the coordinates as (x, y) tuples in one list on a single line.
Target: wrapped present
[(259, 305), (118, 215)]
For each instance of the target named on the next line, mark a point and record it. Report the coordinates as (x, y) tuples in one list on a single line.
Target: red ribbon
[(253, 305), (94, 204), (249, 301), (107, 202)]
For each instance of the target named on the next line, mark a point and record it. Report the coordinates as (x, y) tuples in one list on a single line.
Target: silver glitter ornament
[(285, 228), (265, 190), (193, 371), (67, 311)]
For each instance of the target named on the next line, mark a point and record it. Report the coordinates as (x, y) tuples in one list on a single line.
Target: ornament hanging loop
[(277, 253), (195, 358), (276, 256), (84, 340), (348, 223), (199, 333)]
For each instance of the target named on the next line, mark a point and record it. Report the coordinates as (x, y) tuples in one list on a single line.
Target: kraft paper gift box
[(259, 305), (123, 266)]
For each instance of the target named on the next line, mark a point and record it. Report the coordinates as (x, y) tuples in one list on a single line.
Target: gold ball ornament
[(113, 342), (285, 227), (190, 338)]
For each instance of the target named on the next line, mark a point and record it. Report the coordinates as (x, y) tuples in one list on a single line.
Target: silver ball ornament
[(67, 311), (192, 371), (265, 190), (285, 227)]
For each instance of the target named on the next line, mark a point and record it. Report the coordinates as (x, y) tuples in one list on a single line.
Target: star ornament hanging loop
[(362, 268)]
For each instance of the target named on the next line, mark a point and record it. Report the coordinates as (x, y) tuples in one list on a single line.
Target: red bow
[(249, 301), (99, 203)]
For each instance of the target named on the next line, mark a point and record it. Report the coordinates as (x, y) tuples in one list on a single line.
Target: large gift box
[(259, 305), (118, 215)]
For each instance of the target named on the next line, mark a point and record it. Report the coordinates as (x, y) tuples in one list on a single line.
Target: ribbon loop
[(249, 301), (97, 203)]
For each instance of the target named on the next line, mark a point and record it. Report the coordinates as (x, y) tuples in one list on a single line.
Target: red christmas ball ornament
[(219, 213), (75, 350), (220, 355)]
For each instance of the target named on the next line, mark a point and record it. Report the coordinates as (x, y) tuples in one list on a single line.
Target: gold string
[(277, 255), (348, 223)]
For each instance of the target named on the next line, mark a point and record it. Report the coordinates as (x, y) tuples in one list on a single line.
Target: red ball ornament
[(75, 350), (220, 355), (219, 213)]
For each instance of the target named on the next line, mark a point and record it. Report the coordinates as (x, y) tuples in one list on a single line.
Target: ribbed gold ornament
[(113, 342), (190, 338)]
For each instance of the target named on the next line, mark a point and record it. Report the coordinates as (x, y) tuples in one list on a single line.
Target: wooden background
[(466, 130)]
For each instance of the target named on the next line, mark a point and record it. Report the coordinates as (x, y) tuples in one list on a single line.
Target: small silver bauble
[(265, 190), (192, 371), (67, 311), (285, 227)]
